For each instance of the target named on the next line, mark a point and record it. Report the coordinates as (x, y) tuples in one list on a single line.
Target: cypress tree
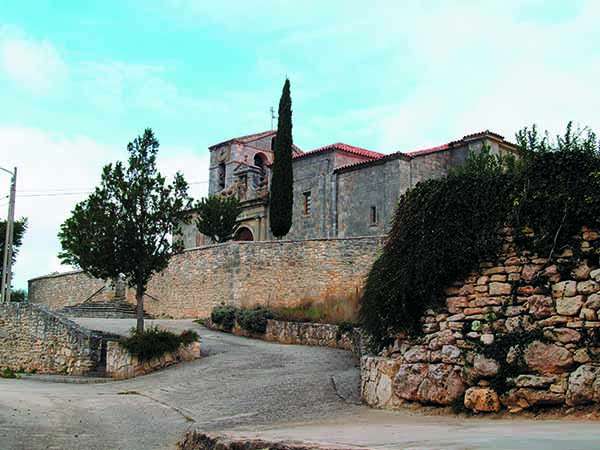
[(282, 180)]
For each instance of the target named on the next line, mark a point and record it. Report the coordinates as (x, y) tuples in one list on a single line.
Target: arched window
[(260, 160), (273, 144), (243, 234)]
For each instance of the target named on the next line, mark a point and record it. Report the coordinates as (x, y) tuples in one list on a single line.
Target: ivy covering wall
[(444, 227)]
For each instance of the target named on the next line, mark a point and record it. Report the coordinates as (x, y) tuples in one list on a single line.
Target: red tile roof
[(427, 151), (343, 148)]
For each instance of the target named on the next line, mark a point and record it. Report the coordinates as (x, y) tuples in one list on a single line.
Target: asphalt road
[(251, 388), (242, 382)]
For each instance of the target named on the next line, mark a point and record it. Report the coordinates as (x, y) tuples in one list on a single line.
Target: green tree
[(218, 217), (19, 232), (282, 180), (124, 227), (18, 295)]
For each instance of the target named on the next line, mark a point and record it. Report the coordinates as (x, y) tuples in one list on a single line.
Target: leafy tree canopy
[(218, 217), (124, 227), (18, 233)]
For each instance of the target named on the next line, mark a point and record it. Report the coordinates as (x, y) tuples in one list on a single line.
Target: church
[(340, 190)]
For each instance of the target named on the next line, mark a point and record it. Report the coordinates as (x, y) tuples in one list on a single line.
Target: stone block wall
[(33, 339), (120, 364), (301, 333), (270, 273), (518, 333), (66, 289)]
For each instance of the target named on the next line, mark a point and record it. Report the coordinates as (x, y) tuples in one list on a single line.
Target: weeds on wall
[(334, 310), (444, 227)]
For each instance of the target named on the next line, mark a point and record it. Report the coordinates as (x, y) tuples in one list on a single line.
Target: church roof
[(249, 138), (246, 139), (340, 146)]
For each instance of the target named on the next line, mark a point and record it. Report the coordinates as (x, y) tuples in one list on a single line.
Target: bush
[(254, 320), (444, 227), (343, 328), (155, 342), (188, 336), (224, 316), (7, 372)]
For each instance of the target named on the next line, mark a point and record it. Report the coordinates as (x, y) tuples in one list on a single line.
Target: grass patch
[(334, 310)]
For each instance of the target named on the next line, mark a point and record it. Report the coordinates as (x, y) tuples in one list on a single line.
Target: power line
[(54, 194)]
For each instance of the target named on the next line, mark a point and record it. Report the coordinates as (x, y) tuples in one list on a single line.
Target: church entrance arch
[(243, 234)]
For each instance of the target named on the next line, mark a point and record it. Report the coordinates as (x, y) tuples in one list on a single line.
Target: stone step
[(112, 310)]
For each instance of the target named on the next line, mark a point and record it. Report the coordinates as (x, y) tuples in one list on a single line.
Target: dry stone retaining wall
[(120, 364), (520, 332), (300, 333), (33, 339), (270, 273)]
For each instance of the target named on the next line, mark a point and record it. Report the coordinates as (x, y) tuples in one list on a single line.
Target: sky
[(79, 79)]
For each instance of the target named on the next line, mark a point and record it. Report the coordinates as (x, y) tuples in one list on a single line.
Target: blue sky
[(79, 79)]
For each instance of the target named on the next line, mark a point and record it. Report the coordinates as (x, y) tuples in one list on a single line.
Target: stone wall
[(304, 333), (520, 332), (33, 339), (300, 333), (66, 289), (271, 273), (120, 364)]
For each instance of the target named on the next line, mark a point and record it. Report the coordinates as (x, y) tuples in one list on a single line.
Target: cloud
[(46, 193), (35, 65)]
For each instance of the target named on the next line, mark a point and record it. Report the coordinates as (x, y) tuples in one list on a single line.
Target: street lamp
[(8, 242)]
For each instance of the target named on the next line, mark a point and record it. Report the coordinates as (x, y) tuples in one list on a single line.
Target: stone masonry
[(120, 364), (270, 273), (32, 339), (521, 332)]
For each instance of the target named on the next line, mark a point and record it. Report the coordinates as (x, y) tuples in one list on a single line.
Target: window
[(222, 175), (373, 215), (307, 203)]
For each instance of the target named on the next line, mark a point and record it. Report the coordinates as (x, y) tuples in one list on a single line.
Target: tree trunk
[(139, 297)]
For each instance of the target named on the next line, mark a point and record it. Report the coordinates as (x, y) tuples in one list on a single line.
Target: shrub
[(188, 336), (224, 316), (155, 342), (7, 372), (343, 328), (254, 320)]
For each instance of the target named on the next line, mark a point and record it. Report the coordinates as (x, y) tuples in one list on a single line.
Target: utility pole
[(8, 243)]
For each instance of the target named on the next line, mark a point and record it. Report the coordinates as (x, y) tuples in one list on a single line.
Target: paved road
[(253, 388), (241, 382)]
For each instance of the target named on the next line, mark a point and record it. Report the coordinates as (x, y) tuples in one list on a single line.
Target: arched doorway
[(243, 234)]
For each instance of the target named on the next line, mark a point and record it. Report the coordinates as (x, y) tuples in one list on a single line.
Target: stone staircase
[(114, 309)]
